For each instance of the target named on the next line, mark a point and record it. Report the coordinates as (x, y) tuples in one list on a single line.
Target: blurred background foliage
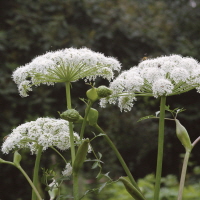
[(126, 29)]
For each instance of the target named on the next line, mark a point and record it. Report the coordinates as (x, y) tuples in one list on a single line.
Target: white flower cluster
[(162, 76), (45, 132), (68, 170), (67, 65)]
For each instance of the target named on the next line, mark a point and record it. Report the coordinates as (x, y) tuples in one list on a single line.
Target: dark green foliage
[(127, 30)]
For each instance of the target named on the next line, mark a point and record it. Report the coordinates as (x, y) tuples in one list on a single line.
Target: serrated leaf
[(147, 117)]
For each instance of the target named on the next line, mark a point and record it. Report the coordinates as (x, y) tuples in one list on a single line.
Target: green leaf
[(147, 117), (102, 186)]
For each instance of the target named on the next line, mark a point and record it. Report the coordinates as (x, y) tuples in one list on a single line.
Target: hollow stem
[(121, 160), (69, 106), (89, 105), (73, 153), (183, 174), (160, 147), (35, 172)]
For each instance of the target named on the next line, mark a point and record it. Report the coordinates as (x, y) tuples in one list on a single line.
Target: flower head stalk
[(66, 65)]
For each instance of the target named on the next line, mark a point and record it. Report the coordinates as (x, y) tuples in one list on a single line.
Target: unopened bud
[(71, 115), (131, 189), (183, 136), (93, 116), (92, 94), (80, 156), (103, 91)]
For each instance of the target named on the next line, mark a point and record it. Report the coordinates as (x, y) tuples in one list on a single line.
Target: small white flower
[(24, 87), (162, 87), (68, 170)]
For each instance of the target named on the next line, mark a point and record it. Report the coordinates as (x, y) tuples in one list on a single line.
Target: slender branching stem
[(183, 174), (89, 105), (196, 141), (30, 182), (35, 172), (73, 153), (59, 154), (160, 147), (69, 106), (121, 160)]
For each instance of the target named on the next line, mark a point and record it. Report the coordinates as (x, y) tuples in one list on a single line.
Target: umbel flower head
[(45, 132), (162, 76), (66, 65)]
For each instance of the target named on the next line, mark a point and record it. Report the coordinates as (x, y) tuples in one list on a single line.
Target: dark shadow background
[(125, 29)]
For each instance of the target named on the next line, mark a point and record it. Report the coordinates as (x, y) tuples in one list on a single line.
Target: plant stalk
[(183, 174), (121, 160), (160, 147), (35, 173), (69, 106), (37, 195), (73, 153), (89, 105)]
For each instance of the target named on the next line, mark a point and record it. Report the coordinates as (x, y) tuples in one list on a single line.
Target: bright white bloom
[(162, 87), (45, 132), (67, 65), (162, 76), (68, 170)]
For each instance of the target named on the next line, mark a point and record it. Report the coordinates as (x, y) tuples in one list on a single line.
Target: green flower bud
[(92, 94), (93, 116), (17, 158), (71, 115), (131, 189), (80, 156), (183, 136), (103, 91)]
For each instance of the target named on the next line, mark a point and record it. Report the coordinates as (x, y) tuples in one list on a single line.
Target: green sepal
[(92, 94), (183, 136), (133, 191), (92, 117), (17, 158), (80, 156)]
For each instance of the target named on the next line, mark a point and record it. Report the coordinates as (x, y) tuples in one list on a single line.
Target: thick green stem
[(35, 172), (73, 153), (75, 186), (183, 174), (69, 106), (85, 119), (31, 183), (121, 160), (160, 147)]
